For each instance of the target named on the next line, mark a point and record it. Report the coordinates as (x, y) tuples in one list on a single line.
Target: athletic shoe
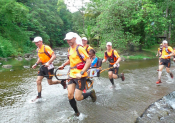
[(158, 81), (77, 114), (63, 83), (36, 99), (93, 95), (122, 76), (171, 75)]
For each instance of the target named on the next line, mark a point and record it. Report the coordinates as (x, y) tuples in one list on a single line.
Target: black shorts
[(80, 83), (114, 70), (166, 62), (43, 71)]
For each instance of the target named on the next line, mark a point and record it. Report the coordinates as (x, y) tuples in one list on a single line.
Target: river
[(124, 104)]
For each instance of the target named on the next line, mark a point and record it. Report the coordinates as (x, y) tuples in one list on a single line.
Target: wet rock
[(56, 62), (0, 63), (27, 59), (144, 58), (127, 57), (7, 66), (123, 59), (11, 70), (26, 67), (27, 55), (61, 53), (19, 58), (3, 59)]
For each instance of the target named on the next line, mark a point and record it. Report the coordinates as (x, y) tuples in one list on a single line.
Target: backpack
[(45, 52), (110, 58), (99, 64), (78, 53)]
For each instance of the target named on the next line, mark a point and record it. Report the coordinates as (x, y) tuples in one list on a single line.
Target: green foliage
[(6, 48)]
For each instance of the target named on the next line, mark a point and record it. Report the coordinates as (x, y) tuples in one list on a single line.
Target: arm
[(88, 63), (51, 60), (104, 60), (37, 62), (64, 64), (118, 60)]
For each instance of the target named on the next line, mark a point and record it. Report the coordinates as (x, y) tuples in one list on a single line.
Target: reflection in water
[(122, 104)]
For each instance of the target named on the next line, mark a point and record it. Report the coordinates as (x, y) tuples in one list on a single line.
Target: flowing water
[(123, 104)]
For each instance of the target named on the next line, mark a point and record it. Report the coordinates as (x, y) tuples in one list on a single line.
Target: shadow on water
[(122, 104)]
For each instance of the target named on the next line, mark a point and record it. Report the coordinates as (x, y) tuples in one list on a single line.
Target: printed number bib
[(50, 66)]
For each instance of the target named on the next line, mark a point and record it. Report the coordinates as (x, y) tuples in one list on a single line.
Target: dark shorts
[(114, 70), (80, 83), (43, 71), (166, 62)]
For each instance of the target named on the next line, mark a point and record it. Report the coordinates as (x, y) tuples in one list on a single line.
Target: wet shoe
[(93, 95), (36, 99), (63, 83), (122, 76), (158, 81), (77, 114), (171, 75)]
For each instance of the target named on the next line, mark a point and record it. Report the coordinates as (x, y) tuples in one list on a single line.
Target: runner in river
[(45, 57), (113, 57), (79, 63), (85, 45), (166, 54), (159, 51)]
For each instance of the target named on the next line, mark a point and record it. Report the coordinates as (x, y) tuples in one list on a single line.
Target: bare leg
[(51, 82), (160, 71), (38, 81)]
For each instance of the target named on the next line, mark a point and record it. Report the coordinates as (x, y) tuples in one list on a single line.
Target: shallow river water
[(124, 104)]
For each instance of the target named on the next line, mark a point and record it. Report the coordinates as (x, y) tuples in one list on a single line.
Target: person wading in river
[(78, 67), (113, 57), (85, 45), (45, 56), (159, 51), (166, 54)]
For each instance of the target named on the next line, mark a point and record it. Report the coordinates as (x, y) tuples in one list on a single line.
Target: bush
[(6, 48)]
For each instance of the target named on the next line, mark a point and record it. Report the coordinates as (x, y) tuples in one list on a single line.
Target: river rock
[(56, 62), (11, 70), (27, 55), (27, 59), (127, 57), (0, 63), (145, 58), (122, 58), (19, 58), (26, 67), (7, 66), (61, 53)]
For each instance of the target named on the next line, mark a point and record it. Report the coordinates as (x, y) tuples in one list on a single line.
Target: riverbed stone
[(26, 67), (7, 66), (61, 53), (27, 59), (19, 58)]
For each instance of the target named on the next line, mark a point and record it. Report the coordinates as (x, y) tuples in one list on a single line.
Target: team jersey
[(75, 59), (116, 56), (166, 51), (87, 49), (43, 57)]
